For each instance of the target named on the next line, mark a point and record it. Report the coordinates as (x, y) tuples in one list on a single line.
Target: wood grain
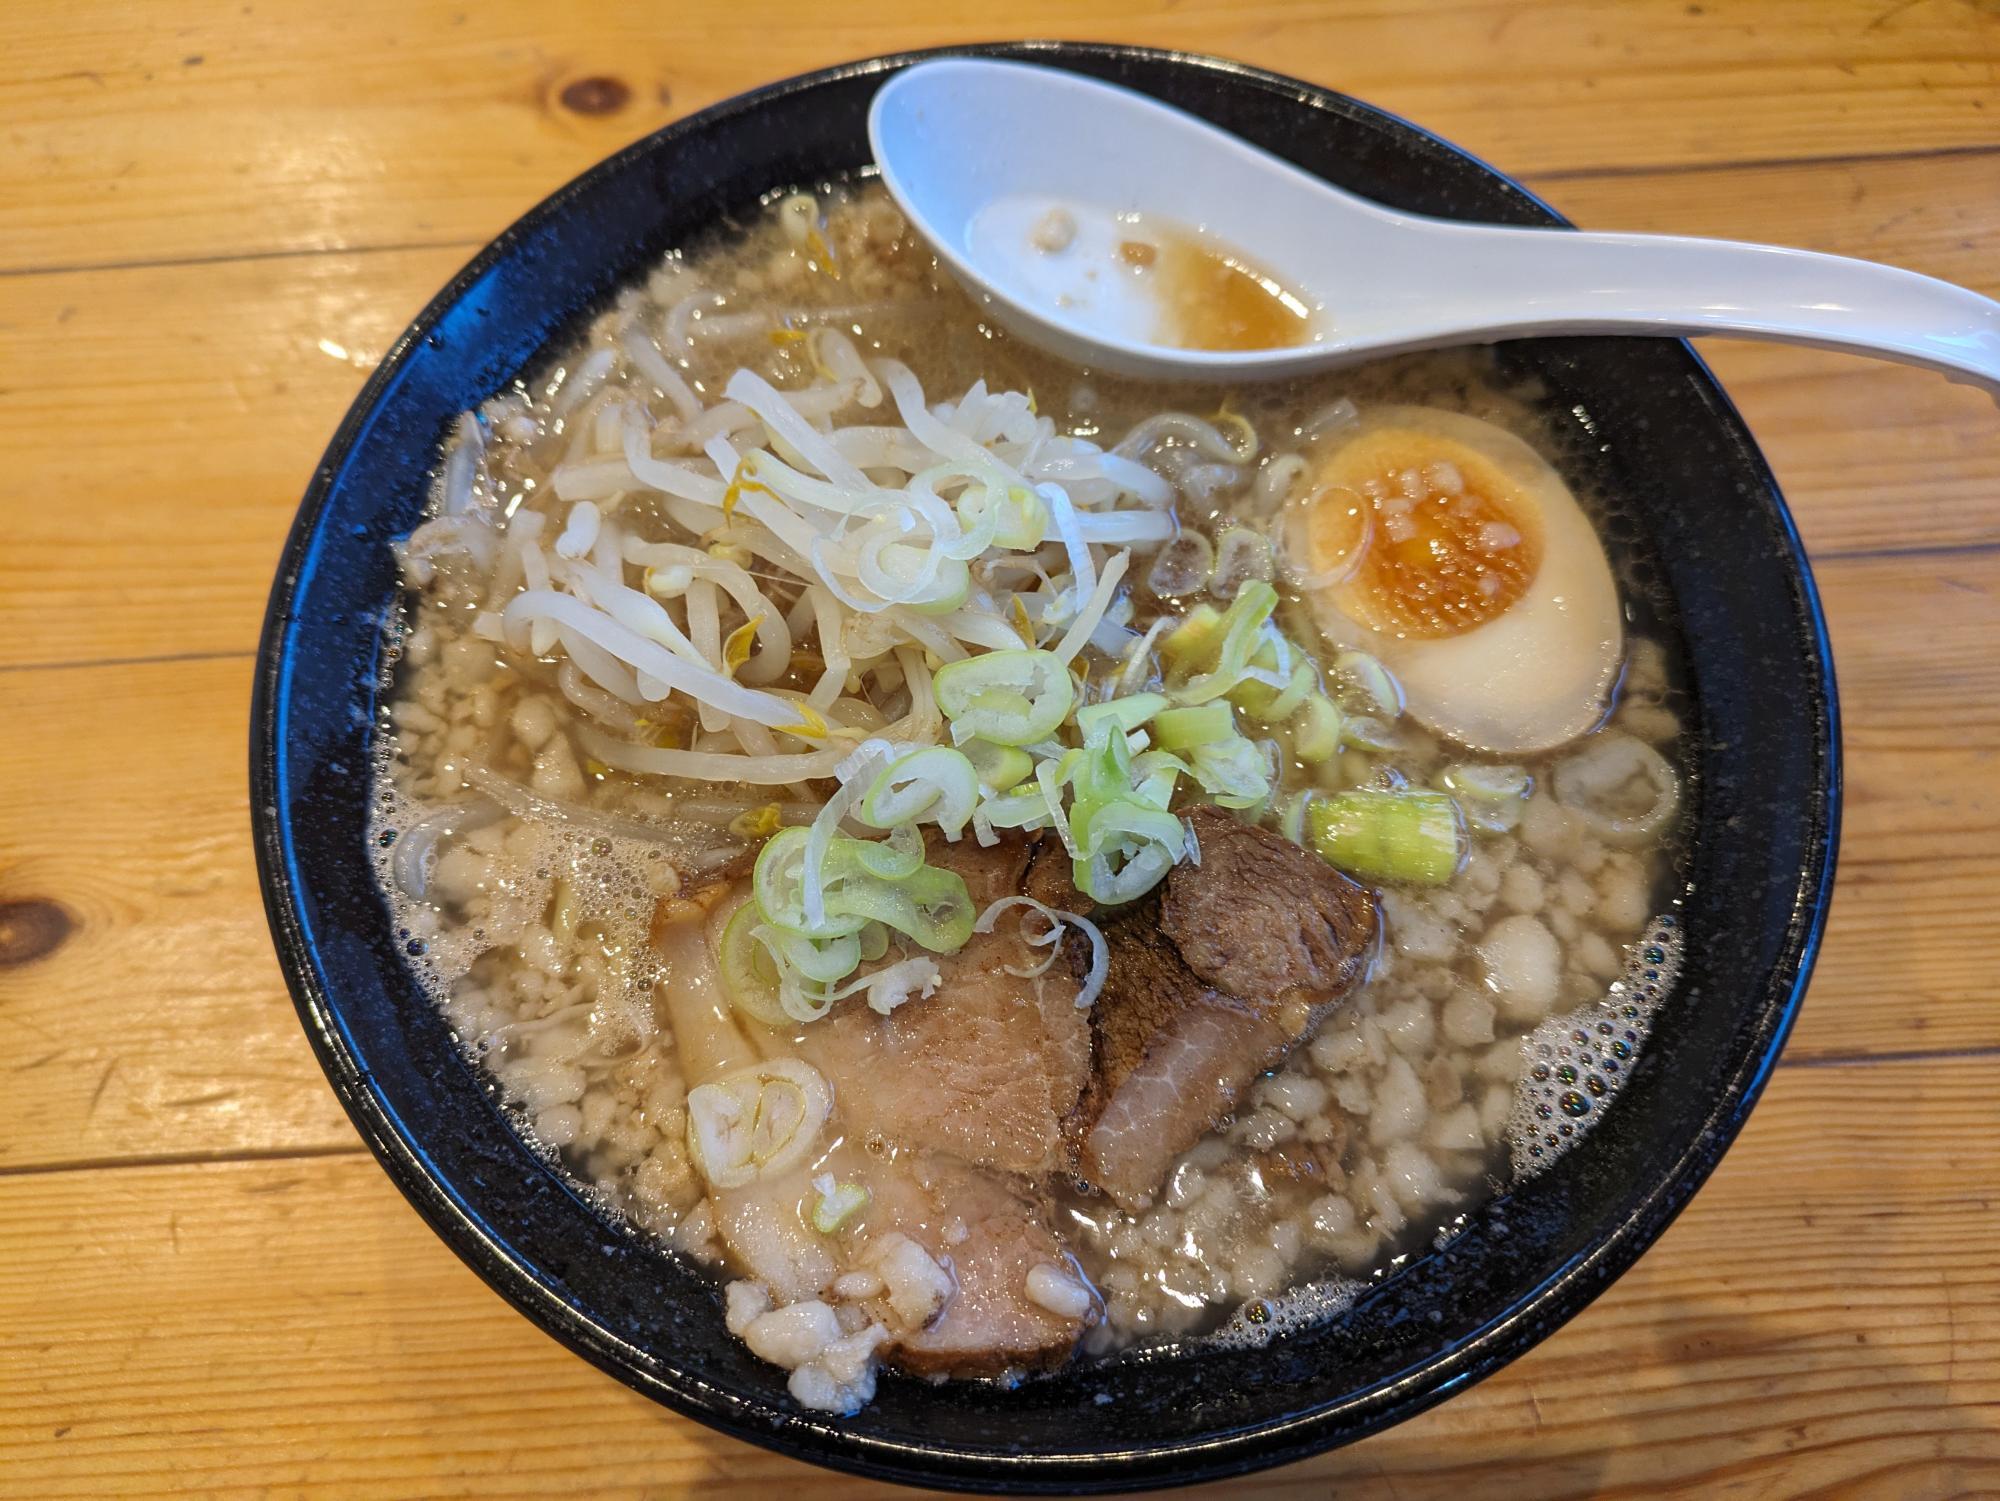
[(1783, 1336), (192, 1047), (168, 418), (206, 1288), (371, 124)]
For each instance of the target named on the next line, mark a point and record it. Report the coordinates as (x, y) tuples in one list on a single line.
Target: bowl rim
[(1538, 1312)]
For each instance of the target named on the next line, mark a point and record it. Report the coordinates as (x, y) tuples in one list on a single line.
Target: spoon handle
[(1534, 281)]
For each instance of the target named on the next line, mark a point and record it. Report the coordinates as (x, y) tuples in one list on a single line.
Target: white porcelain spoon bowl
[(965, 145)]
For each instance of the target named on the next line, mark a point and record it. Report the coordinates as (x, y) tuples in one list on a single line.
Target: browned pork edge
[(1238, 960)]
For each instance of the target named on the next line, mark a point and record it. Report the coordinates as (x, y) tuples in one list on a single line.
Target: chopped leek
[(837, 1203), (1127, 713), (864, 881), (1182, 729), (1316, 732), (1379, 691), (1407, 837), (756, 1121), (1186, 643), (1022, 808), (1132, 847), (1292, 815), (1370, 733), (1000, 768), (1007, 697), (1241, 632), (936, 783), (1154, 775), (1235, 772), (749, 974), (823, 961), (1272, 705), (1098, 826), (1491, 797)]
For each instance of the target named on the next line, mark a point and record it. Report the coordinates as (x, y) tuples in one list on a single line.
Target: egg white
[(1541, 672)]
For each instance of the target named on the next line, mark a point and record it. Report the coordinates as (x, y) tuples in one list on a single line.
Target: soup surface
[(1003, 862)]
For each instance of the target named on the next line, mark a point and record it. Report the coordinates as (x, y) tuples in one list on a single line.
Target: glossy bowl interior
[(1718, 551)]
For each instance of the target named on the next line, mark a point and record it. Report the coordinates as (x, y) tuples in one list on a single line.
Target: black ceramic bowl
[(1718, 547)]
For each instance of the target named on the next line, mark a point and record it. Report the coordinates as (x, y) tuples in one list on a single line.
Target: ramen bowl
[(1701, 527)]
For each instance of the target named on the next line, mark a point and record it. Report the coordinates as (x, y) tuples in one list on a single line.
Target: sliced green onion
[(1235, 772), (1007, 697), (896, 858), (1020, 517), (1491, 797), (1127, 713), (1370, 733), (823, 961), (936, 783), (1128, 820), (836, 1204), (932, 906), (1241, 629), (1409, 837), (1133, 849), (759, 1120), (749, 974), (1000, 767), (1183, 729), (778, 881), (1271, 705), (948, 591), (1100, 772), (1316, 732), (1371, 679), (864, 881), (1022, 808), (1292, 815), (874, 942), (1154, 775), (1187, 643)]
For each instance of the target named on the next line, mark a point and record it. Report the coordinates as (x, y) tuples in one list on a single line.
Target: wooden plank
[(294, 126), (1826, 1309), (1871, 455), (159, 1025), (158, 1022), (166, 422), (167, 418)]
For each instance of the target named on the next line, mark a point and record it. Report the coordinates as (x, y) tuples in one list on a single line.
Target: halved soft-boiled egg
[(1453, 552)]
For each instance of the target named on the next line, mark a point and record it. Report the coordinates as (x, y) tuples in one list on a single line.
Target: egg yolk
[(1427, 538)]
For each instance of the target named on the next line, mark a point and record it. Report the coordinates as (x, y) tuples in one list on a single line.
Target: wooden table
[(213, 219)]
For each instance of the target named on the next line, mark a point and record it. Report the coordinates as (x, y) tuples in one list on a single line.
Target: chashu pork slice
[(1237, 962), (945, 1110), (990, 1065)]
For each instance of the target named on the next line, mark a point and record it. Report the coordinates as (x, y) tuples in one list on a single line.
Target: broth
[(524, 866)]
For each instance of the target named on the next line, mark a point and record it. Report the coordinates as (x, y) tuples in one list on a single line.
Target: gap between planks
[(1754, 164), (360, 1149), (1530, 180), (184, 1159), (1816, 559)]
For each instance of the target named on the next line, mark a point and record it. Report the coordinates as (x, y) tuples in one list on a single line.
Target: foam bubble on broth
[(1578, 1062), (1257, 1323), (600, 885)]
